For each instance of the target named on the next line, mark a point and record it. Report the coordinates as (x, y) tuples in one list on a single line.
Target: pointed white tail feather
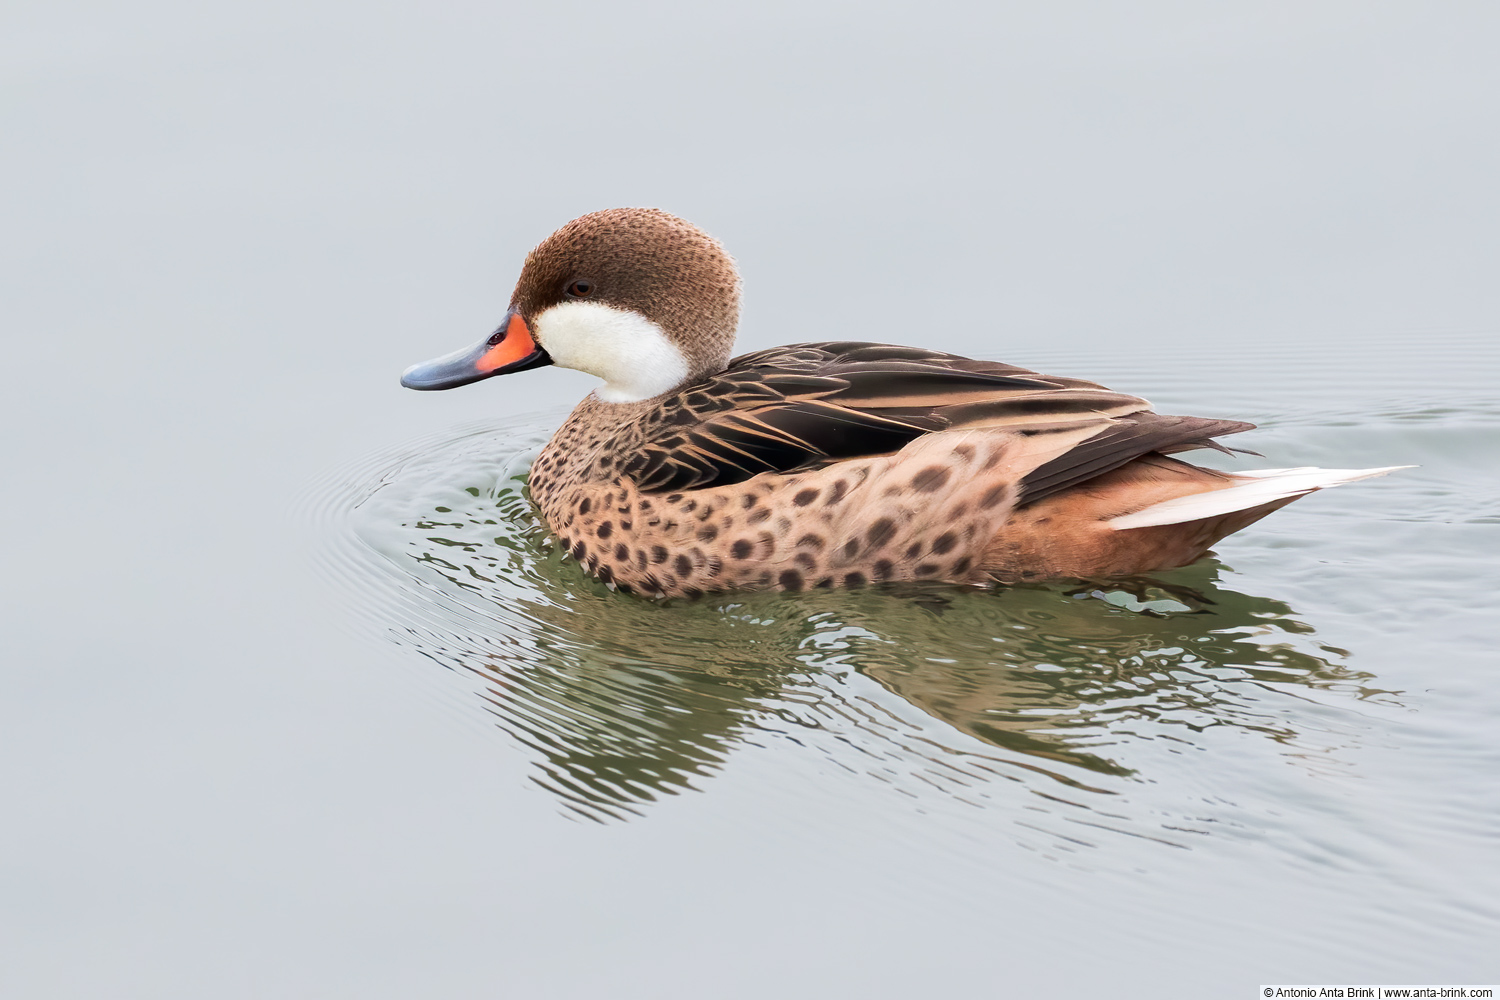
[(1265, 486)]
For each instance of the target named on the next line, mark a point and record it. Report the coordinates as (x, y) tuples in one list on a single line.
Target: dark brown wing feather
[(804, 406), (1125, 440)]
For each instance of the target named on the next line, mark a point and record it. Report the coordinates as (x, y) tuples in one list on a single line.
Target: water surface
[(1308, 706)]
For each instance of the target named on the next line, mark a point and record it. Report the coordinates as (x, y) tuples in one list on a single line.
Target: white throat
[(627, 350)]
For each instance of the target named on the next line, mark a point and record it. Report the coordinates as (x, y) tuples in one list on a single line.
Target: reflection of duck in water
[(624, 701), (1061, 675), (831, 464)]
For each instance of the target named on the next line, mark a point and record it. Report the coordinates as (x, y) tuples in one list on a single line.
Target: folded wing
[(805, 406)]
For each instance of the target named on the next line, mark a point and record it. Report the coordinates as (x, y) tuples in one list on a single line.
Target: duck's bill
[(509, 349)]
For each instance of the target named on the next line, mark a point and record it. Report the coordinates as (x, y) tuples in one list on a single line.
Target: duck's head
[(638, 297)]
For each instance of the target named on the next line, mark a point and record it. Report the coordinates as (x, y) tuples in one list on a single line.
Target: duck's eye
[(581, 289)]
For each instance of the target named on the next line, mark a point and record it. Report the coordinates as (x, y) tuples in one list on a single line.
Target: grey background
[(227, 228)]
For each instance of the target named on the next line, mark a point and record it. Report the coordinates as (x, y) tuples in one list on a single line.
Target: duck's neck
[(591, 446)]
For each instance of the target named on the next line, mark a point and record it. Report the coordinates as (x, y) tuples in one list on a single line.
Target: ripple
[(1319, 715), (1059, 709)]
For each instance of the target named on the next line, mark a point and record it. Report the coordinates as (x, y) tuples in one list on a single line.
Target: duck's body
[(834, 464)]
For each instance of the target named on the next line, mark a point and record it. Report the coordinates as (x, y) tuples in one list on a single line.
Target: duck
[(831, 464)]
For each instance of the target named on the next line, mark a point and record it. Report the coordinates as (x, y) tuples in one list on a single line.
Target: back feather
[(804, 406)]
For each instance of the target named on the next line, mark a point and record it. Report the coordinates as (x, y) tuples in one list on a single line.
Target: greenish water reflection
[(624, 700)]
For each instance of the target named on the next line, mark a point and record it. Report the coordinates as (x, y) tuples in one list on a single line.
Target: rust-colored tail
[(1154, 513)]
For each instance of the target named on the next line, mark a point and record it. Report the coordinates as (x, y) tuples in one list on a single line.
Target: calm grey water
[(1308, 710), (297, 701)]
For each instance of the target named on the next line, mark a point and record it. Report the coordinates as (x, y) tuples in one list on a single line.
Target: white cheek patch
[(627, 350)]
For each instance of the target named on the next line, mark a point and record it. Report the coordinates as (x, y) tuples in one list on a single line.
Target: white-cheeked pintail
[(831, 464)]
